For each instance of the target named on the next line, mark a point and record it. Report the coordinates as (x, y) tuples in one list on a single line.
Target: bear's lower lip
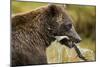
[(71, 45)]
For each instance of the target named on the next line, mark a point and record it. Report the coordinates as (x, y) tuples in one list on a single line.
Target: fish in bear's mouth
[(65, 40)]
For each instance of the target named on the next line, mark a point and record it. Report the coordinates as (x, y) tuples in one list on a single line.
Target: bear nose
[(78, 40)]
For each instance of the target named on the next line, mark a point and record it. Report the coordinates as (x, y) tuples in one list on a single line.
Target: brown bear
[(32, 33)]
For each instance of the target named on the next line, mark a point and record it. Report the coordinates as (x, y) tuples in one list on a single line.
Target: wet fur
[(32, 33)]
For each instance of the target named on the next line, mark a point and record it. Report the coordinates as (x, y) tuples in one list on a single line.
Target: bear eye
[(68, 26)]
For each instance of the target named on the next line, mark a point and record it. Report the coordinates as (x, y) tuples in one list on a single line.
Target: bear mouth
[(65, 40)]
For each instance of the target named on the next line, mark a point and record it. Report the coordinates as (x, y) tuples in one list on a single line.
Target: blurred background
[(84, 19)]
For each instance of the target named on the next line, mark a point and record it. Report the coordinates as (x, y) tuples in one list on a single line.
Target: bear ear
[(53, 9)]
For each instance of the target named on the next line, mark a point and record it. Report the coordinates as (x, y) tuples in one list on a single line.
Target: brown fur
[(33, 32)]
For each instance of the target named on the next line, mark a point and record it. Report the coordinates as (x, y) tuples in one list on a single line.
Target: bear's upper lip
[(66, 41)]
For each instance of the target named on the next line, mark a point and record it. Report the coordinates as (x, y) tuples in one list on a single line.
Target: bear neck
[(45, 35)]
